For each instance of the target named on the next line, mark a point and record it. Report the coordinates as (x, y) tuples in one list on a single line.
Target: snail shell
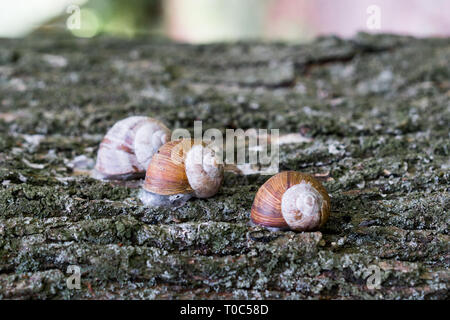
[(291, 200), (127, 148), (180, 170)]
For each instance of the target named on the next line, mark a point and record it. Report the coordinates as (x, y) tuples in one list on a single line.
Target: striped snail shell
[(180, 170), (291, 200), (127, 148)]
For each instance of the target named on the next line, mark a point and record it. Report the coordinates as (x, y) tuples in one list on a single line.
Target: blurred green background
[(203, 21)]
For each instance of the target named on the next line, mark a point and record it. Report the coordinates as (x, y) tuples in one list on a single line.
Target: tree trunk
[(374, 112)]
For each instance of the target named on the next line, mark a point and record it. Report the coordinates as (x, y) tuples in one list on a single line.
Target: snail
[(180, 170), (291, 200), (127, 148)]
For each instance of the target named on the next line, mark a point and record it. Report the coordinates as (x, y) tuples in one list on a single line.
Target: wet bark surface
[(375, 114)]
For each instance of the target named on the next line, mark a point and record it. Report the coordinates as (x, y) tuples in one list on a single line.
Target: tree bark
[(375, 114)]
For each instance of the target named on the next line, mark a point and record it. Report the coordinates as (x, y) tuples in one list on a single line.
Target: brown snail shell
[(127, 148), (291, 200), (180, 170)]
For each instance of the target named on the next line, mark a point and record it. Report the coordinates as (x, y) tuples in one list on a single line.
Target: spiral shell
[(127, 148), (182, 169), (291, 200)]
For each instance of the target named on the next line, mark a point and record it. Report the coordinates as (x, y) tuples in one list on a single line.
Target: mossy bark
[(376, 110)]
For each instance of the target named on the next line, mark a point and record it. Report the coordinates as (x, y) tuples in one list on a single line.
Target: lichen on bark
[(375, 110)]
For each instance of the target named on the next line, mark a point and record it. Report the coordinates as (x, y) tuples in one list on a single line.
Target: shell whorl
[(205, 175), (129, 145), (166, 174), (291, 200), (149, 138), (184, 167), (300, 206)]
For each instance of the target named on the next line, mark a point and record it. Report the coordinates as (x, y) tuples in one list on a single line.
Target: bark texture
[(375, 111)]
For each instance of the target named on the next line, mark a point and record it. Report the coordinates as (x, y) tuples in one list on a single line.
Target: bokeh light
[(89, 26)]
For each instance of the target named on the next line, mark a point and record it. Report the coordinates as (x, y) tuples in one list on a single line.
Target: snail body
[(180, 170), (127, 148), (291, 200)]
